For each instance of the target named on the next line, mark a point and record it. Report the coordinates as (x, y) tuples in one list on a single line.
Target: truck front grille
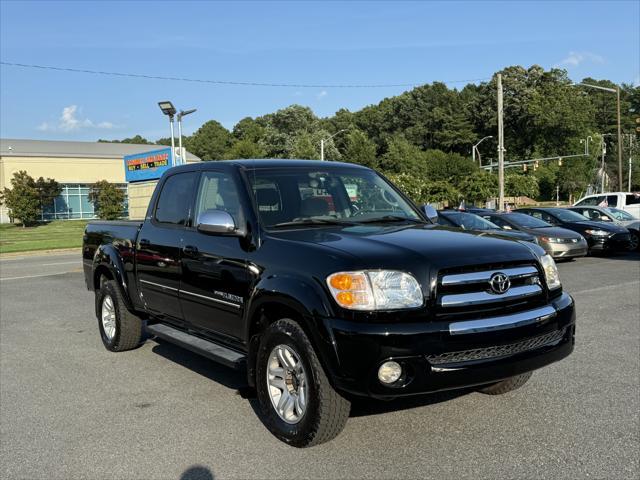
[(470, 291), (497, 351)]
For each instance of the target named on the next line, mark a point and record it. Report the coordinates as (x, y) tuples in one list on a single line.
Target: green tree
[(479, 187), (107, 199), (403, 157), (517, 185), (245, 149), (210, 141), (137, 139), (23, 199), (359, 149)]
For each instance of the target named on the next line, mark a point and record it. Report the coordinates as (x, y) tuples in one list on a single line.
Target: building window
[(73, 203)]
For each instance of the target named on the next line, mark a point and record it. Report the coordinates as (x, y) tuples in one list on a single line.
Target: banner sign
[(140, 167)]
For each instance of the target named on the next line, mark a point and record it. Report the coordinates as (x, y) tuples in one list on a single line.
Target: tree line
[(422, 138)]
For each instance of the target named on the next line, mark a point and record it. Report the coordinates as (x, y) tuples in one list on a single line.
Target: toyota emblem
[(499, 282)]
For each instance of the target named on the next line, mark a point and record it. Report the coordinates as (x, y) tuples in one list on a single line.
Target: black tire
[(506, 385), (635, 240), (128, 327), (326, 412)]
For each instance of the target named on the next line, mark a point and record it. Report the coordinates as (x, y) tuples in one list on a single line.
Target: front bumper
[(615, 243), (567, 250), (448, 355)]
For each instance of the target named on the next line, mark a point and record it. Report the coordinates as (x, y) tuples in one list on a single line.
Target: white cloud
[(320, 95), (70, 120), (576, 58)]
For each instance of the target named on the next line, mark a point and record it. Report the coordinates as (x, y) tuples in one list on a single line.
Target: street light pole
[(500, 146), (180, 115), (617, 92), (325, 139), (474, 149), (169, 110)]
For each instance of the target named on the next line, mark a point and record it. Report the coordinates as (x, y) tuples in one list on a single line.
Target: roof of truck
[(286, 163)]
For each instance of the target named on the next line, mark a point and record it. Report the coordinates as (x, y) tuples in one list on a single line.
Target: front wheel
[(506, 385), (634, 241), (297, 402)]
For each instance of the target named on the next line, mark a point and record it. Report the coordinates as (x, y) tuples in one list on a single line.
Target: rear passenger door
[(158, 257), (215, 280)]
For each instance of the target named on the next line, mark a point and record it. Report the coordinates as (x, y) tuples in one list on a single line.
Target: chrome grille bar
[(501, 323), (485, 275), (479, 298)]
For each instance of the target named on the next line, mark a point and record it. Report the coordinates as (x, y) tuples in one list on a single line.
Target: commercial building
[(75, 166)]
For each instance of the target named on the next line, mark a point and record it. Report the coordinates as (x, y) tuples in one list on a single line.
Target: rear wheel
[(506, 385), (120, 330), (297, 402)]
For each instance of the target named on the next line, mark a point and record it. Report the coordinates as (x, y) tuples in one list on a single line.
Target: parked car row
[(564, 233)]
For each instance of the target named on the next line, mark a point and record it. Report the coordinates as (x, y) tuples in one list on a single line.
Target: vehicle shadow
[(197, 472), (364, 407), (236, 380), (233, 379)]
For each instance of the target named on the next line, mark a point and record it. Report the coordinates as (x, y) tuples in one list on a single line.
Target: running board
[(211, 350)]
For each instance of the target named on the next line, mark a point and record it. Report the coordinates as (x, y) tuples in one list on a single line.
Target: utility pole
[(557, 195), (604, 152), (500, 146), (630, 153), (619, 142), (322, 149)]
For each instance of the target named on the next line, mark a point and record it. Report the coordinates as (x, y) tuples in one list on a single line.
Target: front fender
[(305, 298), (108, 258)]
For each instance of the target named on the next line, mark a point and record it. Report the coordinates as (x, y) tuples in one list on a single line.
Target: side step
[(211, 350)]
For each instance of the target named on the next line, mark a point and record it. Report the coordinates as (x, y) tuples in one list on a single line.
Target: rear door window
[(612, 200), (632, 199), (174, 203)]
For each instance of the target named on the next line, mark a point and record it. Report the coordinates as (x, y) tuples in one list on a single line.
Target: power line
[(225, 82)]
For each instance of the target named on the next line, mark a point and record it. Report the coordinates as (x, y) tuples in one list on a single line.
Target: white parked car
[(629, 202)]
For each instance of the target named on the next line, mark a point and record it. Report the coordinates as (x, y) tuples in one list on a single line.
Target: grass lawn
[(57, 234)]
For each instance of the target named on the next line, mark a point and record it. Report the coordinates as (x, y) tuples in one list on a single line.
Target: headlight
[(552, 240), (598, 233), (550, 272), (375, 290)]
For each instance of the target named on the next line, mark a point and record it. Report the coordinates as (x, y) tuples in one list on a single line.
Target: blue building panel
[(151, 165)]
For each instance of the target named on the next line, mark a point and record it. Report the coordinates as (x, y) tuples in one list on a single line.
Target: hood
[(607, 227), (385, 246), (557, 232), (510, 234)]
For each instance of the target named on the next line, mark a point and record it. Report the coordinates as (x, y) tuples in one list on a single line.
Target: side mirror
[(430, 212), (216, 221), (507, 227)]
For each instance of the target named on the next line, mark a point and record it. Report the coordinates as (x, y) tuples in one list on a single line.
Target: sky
[(322, 44)]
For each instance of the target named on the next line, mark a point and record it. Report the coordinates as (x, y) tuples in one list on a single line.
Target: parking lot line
[(607, 287), (36, 276)]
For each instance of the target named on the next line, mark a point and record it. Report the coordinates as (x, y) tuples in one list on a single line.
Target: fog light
[(389, 372)]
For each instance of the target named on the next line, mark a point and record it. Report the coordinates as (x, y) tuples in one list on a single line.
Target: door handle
[(144, 242), (190, 251)]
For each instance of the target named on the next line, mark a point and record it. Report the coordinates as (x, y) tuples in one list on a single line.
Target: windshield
[(526, 221), (309, 196), (619, 214), (469, 221), (568, 215)]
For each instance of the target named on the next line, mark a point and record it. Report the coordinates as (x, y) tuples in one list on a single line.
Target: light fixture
[(167, 108)]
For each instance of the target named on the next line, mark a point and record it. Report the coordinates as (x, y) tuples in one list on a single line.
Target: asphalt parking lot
[(70, 409)]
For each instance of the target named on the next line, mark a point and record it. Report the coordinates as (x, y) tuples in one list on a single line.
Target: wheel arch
[(298, 300), (107, 263)]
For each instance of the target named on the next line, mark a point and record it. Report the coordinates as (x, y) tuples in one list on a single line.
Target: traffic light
[(524, 167), (638, 122), (560, 161), (536, 164)]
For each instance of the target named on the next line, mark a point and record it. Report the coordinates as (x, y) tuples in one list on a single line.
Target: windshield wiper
[(311, 222), (391, 218)]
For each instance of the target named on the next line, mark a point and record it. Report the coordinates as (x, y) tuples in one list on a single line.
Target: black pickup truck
[(322, 282)]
